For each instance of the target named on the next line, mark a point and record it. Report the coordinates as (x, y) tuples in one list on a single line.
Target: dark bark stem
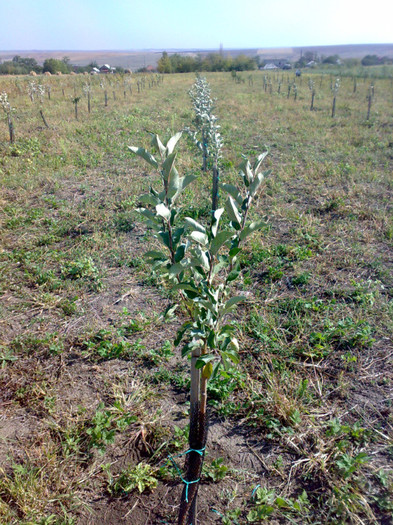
[(369, 106), (215, 187), (11, 129), (312, 101), (197, 441), (43, 118), (334, 107)]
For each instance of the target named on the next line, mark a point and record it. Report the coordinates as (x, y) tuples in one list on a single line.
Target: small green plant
[(141, 477), (348, 464), (105, 345), (215, 471), (6, 356), (101, 430), (85, 269)]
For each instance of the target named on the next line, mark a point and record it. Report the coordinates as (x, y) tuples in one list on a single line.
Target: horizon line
[(161, 49)]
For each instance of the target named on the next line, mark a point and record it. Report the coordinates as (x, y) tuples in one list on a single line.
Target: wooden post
[(11, 129), (215, 187), (43, 118), (369, 99), (312, 100)]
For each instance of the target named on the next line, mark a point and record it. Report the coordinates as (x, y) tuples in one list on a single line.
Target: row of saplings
[(200, 261)]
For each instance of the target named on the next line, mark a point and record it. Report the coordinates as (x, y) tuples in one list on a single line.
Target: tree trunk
[(197, 443), (106, 99), (204, 152), (11, 129), (369, 106), (43, 118), (334, 107), (215, 187), (312, 101), (88, 102)]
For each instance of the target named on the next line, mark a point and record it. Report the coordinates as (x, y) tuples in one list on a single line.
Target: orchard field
[(94, 395)]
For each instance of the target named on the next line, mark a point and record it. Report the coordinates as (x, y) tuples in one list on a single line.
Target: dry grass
[(89, 386)]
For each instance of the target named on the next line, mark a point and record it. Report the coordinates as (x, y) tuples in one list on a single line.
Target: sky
[(197, 24)]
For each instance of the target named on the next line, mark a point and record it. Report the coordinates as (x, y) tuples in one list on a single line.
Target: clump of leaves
[(215, 471), (85, 269), (141, 477)]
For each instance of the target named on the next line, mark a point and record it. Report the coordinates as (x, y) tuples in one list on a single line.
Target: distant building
[(270, 66), (106, 68), (311, 63)]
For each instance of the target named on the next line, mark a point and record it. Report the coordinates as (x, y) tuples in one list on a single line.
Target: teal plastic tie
[(254, 491), (171, 459)]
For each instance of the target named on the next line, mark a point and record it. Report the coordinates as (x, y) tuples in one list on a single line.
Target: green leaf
[(168, 313), (168, 166), (176, 268), (155, 255), (232, 211), (216, 219), (233, 301), (203, 360), (233, 356), (250, 228), (185, 286), (171, 144), (148, 157), (233, 276), (194, 225), (281, 502), (199, 237), (174, 183), (219, 240), (163, 211), (148, 198), (259, 161), (176, 235), (256, 183), (200, 258), (181, 332), (179, 255), (234, 251), (146, 213), (234, 192), (164, 238), (185, 181), (245, 170), (156, 142)]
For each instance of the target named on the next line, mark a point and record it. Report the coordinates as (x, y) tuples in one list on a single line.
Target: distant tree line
[(20, 66), (177, 63), (23, 66), (374, 60)]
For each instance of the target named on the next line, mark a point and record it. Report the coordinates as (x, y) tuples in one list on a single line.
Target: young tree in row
[(200, 261), (8, 109)]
